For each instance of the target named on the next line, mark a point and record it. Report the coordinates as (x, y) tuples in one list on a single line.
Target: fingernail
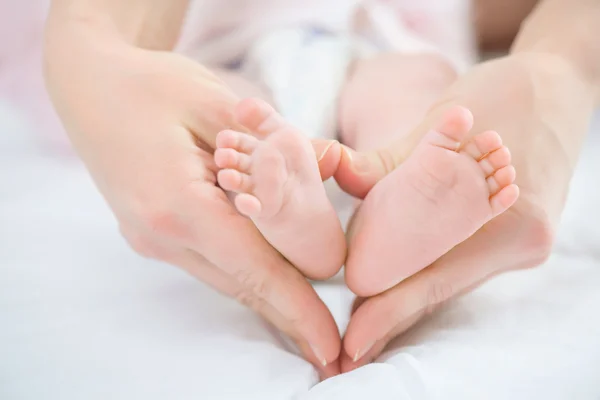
[(325, 151), (358, 162), (361, 353), (318, 355)]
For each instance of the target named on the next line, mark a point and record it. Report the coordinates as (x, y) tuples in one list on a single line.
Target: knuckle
[(539, 234), (387, 160), (249, 299), (140, 244), (438, 293), (252, 283), (161, 221), (542, 233)]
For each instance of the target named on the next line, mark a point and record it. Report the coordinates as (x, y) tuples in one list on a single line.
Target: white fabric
[(305, 72), (82, 317), (219, 32), (301, 50)]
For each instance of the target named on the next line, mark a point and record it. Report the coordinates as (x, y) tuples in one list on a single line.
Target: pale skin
[(178, 214), (540, 99), (147, 134), (443, 193)]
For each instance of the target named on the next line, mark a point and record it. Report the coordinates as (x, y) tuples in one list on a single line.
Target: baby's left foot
[(443, 193), (278, 185)]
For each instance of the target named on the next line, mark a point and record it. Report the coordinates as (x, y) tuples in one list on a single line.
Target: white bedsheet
[(82, 317)]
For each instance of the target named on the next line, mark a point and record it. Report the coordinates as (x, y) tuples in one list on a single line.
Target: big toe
[(456, 123), (258, 116)]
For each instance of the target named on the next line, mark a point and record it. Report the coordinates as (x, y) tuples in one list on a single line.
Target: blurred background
[(24, 104)]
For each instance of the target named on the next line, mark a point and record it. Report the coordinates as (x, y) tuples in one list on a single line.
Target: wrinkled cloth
[(82, 317)]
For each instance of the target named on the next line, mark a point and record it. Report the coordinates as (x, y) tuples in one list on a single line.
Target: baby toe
[(235, 181), (495, 160), (248, 205), (258, 116), (456, 124), (500, 179), (482, 144), (227, 158), (504, 199), (239, 141)]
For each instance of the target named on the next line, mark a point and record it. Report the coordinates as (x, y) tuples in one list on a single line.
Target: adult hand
[(541, 108), (145, 122)]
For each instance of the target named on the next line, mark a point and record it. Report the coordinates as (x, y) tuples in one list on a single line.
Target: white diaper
[(301, 51), (305, 70)]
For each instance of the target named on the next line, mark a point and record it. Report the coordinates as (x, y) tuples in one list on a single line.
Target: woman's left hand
[(541, 111)]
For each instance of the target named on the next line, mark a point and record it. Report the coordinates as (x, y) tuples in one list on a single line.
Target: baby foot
[(441, 195), (278, 185)]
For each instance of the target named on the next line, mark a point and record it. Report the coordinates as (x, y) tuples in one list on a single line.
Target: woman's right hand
[(145, 122)]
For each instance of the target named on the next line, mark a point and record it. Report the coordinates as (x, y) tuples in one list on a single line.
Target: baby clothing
[(301, 49)]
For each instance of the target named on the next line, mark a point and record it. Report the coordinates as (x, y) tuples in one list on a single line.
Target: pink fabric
[(21, 75), (219, 32)]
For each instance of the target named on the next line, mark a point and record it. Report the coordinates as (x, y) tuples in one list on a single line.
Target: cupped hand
[(541, 111), (145, 122)]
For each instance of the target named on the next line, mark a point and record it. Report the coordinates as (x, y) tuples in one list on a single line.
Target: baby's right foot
[(278, 185)]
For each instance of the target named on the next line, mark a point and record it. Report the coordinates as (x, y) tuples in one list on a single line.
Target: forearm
[(84, 36), (568, 29), (150, 24)]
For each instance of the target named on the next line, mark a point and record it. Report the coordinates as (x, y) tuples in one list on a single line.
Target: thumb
[(358, 172), (381, 318), (328, 153)]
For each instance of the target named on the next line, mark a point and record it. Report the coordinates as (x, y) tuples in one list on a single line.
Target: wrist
[(152, 25), (74, 44), (556, 77), (539, 82), (564, 30), (535, 94)]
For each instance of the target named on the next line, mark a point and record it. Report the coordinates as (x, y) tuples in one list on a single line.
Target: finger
[(329, 154), (199, 267), (369, 352), (347, 365), (330, 370), (213, 112), (358, 172), (235, 245), (357, 303), (381, 318)]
